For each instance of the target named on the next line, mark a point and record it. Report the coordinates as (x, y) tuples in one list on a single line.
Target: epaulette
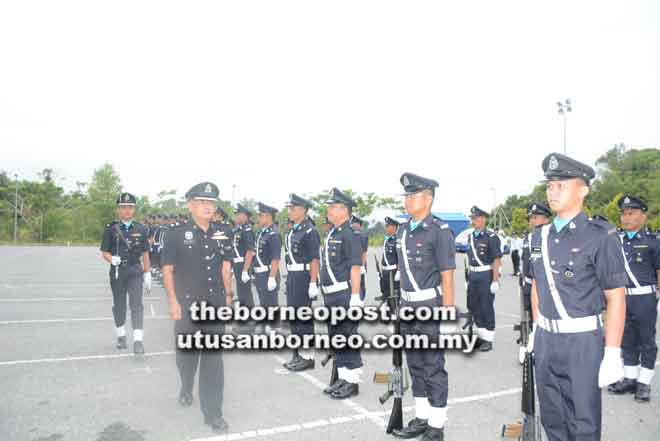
[(611, 229)]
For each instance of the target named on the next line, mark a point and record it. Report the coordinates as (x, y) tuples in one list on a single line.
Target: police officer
[(576, 261), (124, 243), (357, 224), (340, 284), (301, 247), (389, 261), (642, 263), (192, 266), (426, 262), (484, 257), (268, 251), (243, 253)]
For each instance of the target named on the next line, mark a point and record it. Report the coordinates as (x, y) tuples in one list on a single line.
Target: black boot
[(121, 343), (643, 393), (333, 387), (415, 427), (138, 347), (218, 424), (486, 346), (302, 365), (185, 398), (627, 385), (346, 390), (433, 434), (294, 359)]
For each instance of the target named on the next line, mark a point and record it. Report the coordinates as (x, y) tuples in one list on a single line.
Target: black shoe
[(294, 360), (303, 365), (486, 346), (138, 347), (218, 424), (333, 387), (185, 399), (433, 434), (347, 390), (415, 427), (643, 393), (627, 385), (121, 343)]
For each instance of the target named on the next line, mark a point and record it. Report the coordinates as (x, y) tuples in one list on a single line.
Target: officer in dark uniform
[(642, 263), (268, 251), (243, 253), (426, 260), (301, 247), (192, 267), (484, 257), (357, 224), (340, 284), (124, 243), (388, 262), (576, 262)]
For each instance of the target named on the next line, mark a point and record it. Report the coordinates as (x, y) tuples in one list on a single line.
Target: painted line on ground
[(80, 358), (72, 320), (69, 299)]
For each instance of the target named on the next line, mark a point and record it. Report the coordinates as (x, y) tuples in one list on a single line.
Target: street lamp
[(563, 109), (233, 195)]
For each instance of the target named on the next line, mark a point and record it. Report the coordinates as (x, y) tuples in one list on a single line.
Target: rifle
[(334, 375), (529, 428), (397, 378)]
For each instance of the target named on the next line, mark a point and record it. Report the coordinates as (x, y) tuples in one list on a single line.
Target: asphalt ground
[(61, 377)]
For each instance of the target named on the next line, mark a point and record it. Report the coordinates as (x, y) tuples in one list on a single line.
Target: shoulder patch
[(444, 226), (309, 230)]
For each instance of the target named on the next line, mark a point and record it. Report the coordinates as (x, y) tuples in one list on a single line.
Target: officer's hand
[(175, 310), (272, 284), (146, 282), (355, 301), (245, 277), (611, 368), (115, 260), (494, 287), (397, 276), (313, 291)]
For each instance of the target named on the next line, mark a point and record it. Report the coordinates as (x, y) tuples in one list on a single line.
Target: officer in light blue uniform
[(426, 259), (340, 284), (641, 251), (484, 257), (576, 262), (268, 250)]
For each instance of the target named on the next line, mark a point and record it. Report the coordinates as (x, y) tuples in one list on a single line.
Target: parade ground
[(63, 380)]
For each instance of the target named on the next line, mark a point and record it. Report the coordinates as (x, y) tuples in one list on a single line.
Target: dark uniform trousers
[(569, 377), (243, 290), (427, 366), (297, 295), (266, 298), (639, 332), (129, 281), (211, 368), (345, 358), (480, 301)]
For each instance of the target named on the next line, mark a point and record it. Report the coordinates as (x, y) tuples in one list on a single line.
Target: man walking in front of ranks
[(340, 284), (642, 263), (576, 262), (426, 256), (302, 265), (124, 243), (484, 257), (268, 250), (243, 246), (193, 271)]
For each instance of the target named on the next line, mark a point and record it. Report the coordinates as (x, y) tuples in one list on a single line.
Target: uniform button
[(189, 246), (209, 279), (206, 246), (570, 263), (552, 262), (556, 240), (208, 267)]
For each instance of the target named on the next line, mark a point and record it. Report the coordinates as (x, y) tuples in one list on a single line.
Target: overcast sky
[(282, 96)]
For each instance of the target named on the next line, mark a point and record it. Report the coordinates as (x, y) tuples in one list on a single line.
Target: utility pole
[(16, 209)]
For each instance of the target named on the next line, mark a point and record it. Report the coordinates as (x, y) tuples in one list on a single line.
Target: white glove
[(245, 277), (658, 307), (397, 276), (313, 291), (355, 301), (115, 260), (611, 368), (272, 284), (530, 339), (494, 287), (146, 282)]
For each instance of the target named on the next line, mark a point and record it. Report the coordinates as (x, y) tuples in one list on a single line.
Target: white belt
[(335, 287), (238, 260), (389, 268), (480, 269), (648, 289), (298, 267), (261, 269), (421, 295), (570, 325), (528, 280)]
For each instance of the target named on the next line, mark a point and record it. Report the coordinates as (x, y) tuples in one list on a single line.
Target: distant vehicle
[(462, 242)]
